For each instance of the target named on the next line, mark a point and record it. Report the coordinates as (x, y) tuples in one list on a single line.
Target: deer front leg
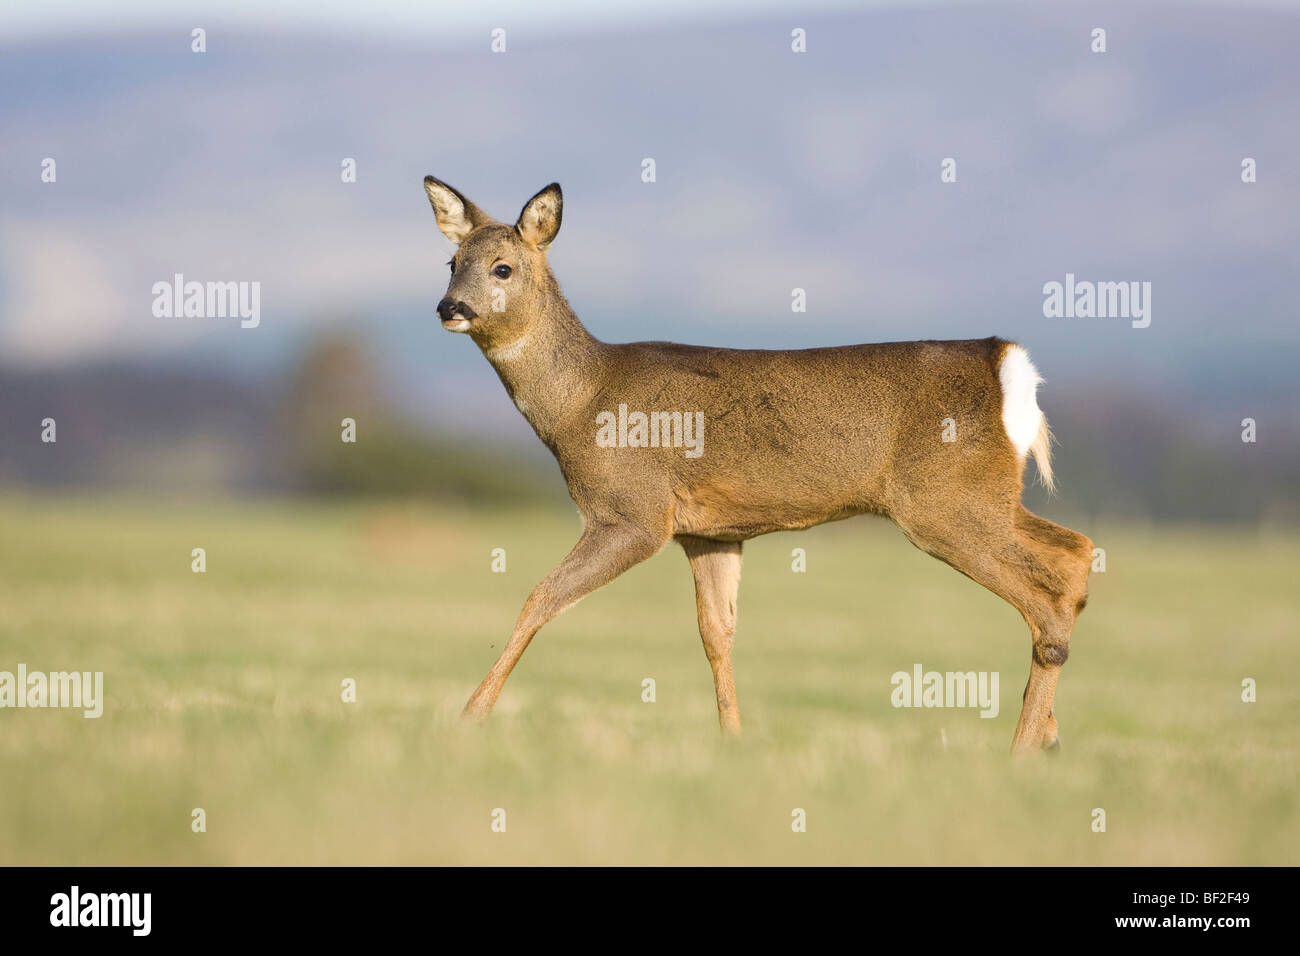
[(602, 553), (716, 566)]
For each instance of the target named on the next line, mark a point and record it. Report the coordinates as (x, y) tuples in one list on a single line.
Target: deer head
[(500, 283)]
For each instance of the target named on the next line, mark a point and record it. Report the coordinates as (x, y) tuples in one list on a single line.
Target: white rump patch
[(1021, 416)]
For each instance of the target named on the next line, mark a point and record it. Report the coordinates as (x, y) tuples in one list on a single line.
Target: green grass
[(223, 692)]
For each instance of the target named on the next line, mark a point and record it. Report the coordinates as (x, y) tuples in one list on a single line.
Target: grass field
[(223, 692)]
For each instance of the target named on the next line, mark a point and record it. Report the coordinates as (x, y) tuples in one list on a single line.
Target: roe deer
[(781, 440)]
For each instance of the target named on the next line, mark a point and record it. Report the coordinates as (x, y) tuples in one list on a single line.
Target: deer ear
[(457, 216), (540, 219)]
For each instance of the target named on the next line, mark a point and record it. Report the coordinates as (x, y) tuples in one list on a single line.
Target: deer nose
[(449, 307)]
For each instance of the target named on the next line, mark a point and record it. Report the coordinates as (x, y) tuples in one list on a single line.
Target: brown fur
[(791, 439)]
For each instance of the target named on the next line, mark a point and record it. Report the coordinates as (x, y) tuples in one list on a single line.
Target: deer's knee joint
[(1051, 653)]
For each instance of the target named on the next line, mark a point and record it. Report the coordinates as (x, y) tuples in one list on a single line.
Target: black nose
[(449, 307)]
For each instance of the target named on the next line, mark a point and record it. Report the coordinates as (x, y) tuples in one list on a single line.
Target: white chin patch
[(456, 325), (1021, 416)]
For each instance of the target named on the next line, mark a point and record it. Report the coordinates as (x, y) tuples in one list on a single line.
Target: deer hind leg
[(1064, 562), (716, 566), (602, 553), (1037, 567)]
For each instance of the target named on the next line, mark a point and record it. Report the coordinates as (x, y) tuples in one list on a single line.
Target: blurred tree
[(336, 380)]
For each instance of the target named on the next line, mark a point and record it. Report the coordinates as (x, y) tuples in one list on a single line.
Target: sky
[(55, 17), (391, 16)]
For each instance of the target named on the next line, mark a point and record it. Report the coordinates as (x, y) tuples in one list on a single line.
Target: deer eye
[(452, 263), (502, 271)]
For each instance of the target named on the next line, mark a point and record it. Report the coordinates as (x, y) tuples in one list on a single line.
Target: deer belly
[(743, 508)]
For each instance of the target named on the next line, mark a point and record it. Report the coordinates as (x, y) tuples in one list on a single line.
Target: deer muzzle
[(455, 314)]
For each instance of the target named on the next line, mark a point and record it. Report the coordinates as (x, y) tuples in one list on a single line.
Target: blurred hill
[(192, 431), (189, 430)]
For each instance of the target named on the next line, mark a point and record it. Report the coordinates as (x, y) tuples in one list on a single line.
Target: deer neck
[(552, 370)]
